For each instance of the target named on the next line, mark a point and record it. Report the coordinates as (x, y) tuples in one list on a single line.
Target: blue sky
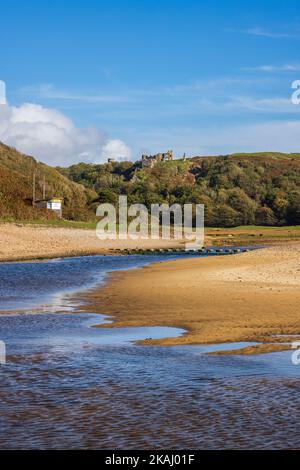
[(197, 77)]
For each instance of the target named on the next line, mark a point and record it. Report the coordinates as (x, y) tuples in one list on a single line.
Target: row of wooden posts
[(202, 251)]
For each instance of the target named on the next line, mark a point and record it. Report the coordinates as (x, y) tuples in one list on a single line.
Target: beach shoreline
[(37, 242), (250, 297), (25, 242)]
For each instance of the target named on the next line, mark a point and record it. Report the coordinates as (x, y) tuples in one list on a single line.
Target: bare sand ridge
[(252, 296)]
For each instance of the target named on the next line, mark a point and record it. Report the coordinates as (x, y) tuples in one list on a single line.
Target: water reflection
[(69, 385)]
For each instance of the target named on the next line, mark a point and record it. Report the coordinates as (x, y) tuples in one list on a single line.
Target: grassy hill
[(238, 189), (16, 172)]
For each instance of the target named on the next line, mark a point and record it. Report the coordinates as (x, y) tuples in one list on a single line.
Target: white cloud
[(52, 137), (2, 92), (115, 149), (275, 68)]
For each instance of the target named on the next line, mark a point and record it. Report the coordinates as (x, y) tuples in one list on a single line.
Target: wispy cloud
[(274, 68), (136, 95), (263, 105), (49, 91), (262, 32), (281, 136), (268, 34)]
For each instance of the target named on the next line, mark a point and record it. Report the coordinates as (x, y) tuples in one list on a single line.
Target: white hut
[(54, 204)]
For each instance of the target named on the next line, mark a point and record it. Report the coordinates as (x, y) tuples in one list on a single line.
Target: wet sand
[(252, 296)]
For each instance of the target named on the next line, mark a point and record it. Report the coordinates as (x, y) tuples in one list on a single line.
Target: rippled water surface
[(69, 385)]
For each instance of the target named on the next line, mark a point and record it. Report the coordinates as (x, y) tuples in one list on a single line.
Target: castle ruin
[(148, 161)]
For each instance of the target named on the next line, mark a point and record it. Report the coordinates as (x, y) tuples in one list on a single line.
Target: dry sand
[(25, 242), (245, 297)]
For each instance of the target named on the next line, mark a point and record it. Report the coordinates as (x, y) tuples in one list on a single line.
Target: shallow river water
[(66, 384)]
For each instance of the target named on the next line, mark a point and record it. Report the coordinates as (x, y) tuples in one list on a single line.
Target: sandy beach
[(27, 242), (33, 241), (253, 296)]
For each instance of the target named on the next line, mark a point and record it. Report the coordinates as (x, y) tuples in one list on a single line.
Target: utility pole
[(33, 188), (44, 187)]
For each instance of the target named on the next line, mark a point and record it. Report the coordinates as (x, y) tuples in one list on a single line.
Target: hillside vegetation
[(16, 176), (238, 189)]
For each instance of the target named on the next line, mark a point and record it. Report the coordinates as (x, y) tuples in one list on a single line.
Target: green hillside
[(16, 176), (239, 189)]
